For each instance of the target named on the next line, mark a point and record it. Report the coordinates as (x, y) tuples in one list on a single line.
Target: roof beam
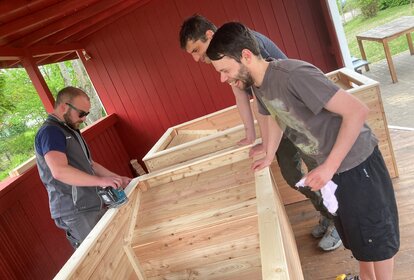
[(11, 31), (64, 23), (20, 8), (39, 82), (8, 53), (100, 20), (54, 49), (54, 58)]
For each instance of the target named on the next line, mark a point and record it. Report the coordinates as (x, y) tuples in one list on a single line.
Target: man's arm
[(62, 171), (262, 121), (104, 172), (243, 106), (354, 114), (274, 135)]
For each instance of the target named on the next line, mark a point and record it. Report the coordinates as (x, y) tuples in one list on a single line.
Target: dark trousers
[(78, 226), (289, 159)]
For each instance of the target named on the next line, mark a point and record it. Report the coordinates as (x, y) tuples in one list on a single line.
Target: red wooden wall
[(141, 73), (31, 246)]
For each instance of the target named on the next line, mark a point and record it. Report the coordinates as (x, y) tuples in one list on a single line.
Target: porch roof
[(50, 30)]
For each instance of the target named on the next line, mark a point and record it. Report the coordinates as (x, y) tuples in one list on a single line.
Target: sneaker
[(319, 230), (330, 241), (347, 277)]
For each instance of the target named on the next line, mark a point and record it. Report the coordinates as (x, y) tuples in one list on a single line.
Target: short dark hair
[(67, 94), (194, 28), (230, 40)]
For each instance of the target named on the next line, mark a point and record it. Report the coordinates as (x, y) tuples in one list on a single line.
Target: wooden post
[(39, 82)]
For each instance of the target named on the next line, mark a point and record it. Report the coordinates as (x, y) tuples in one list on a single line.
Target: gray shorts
[(367, 220), (78, 226)]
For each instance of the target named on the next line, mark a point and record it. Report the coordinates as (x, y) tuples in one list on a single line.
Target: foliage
[(20, 121), (6, 106), (350, 5), (22, 112), (369, 8), (384, 4), (373, 50)]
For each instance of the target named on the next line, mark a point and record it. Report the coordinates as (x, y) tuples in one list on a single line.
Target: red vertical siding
[(31, 246), (142, 74)]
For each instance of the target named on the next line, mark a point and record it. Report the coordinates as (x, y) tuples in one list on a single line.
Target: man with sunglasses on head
[(67, 170)]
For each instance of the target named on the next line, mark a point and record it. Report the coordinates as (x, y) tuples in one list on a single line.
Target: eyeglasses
[(80, 112)]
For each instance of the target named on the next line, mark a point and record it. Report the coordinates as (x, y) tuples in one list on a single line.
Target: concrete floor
[(398, 98)]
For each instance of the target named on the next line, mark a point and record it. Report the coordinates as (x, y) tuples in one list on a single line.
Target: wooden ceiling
[(50, 30)]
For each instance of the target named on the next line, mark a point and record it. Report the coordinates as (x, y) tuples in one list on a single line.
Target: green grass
[(374, 50)]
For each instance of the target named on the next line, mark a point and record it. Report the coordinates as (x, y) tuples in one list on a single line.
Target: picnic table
[(385, 33)]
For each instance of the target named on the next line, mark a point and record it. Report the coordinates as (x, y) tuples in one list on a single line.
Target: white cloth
[(328, 195)]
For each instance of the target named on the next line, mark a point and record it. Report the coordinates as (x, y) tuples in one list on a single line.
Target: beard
[(70, 123), (244, 77)]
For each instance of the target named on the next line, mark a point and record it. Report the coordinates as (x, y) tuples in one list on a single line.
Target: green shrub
[(384, 4), (369, 8)]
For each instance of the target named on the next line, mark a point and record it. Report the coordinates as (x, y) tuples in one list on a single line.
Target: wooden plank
[(23, 167), (134, 262), (160, 144), (272, 250), (210, 246), (280, 259), (367, 90), (196, 166), (134, 215), (291, 250), (99, 242), (178, 234), (196, 148)]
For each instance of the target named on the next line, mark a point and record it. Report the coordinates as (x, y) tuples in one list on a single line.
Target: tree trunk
[(86, 85), (65, 74)]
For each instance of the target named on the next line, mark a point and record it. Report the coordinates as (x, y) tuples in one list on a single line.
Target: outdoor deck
[(398, 103)]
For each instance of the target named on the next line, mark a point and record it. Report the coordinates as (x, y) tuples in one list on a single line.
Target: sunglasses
[(80, 112)]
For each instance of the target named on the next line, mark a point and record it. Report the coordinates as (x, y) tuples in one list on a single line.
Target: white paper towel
[(328, 195)]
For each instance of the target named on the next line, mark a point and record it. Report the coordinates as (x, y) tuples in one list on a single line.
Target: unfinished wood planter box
[(208, 218), (218, 131), (368, 91), (223, 129)]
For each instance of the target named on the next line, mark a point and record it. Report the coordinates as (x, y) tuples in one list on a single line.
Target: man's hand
[(125, 181), (261, 163), (245, 141), (111, 181), (256, 150), (319, 177), (250, 137)]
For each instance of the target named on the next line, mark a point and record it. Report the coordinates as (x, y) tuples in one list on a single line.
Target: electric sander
[(112, 197)]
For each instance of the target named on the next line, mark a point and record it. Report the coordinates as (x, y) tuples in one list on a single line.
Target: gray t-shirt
[(294, 93)]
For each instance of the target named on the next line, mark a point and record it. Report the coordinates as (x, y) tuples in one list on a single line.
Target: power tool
[(112, 197)]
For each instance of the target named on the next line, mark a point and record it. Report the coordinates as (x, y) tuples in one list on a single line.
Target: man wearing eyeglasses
[(67, 170)]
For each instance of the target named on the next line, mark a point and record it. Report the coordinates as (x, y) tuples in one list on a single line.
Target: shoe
[(319, 230), (347, 277), (331, 240)]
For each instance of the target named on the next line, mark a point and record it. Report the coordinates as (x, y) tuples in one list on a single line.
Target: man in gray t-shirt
[(195, 35), (300, 111), (328, 125)]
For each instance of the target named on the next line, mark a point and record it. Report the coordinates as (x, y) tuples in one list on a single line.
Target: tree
[(22, 112), (6, 106), (369, 8), (20, 121)]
